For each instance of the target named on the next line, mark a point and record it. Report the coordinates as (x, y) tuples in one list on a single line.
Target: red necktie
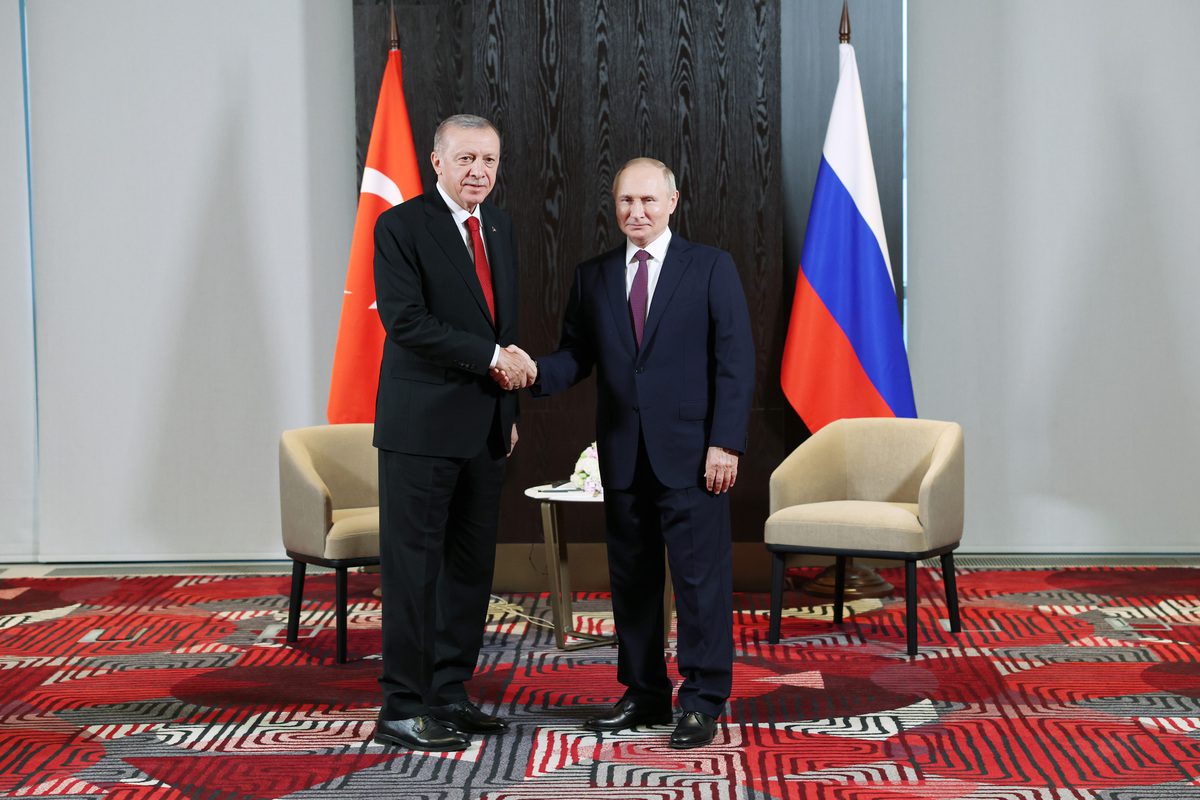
[(482, 270)]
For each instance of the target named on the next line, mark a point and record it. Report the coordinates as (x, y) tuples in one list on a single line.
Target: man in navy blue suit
[(663, 322)]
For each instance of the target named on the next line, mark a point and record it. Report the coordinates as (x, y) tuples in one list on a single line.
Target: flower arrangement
[(587, 471)]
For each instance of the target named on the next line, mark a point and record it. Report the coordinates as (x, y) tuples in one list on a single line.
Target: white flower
[(587, 471)]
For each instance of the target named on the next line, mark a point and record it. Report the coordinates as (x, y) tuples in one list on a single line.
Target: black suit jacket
[(435, 395), (690, 384)]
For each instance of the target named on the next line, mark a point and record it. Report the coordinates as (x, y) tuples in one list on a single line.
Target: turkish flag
[(390, 177)]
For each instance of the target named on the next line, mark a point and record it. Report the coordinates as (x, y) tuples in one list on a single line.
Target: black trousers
[(694, 526), (437, 547)]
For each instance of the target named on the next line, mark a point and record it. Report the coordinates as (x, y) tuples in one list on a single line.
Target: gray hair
[(459, 121), (650, 162)]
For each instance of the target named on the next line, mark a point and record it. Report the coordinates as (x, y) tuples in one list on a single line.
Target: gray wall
[(17, 446), (193, 197), (1052, 265)]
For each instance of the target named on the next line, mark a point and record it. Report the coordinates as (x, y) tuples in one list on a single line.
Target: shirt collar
[(657, 249), (460, 213)]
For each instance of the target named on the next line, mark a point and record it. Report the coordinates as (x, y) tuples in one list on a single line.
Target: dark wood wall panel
[(576, 89)]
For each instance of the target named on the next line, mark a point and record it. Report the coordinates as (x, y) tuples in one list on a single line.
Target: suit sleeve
[(733, 353), (575, 356), (402, 308)]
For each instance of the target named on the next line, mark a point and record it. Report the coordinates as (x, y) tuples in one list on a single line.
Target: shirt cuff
[(495, 357)]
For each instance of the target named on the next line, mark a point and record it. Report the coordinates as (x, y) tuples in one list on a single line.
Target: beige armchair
[(329, 503), (876, 488)]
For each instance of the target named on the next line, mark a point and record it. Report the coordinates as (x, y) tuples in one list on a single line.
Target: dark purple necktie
[(638, 295)]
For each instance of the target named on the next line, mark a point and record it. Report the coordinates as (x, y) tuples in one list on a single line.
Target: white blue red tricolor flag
[(844, 355)]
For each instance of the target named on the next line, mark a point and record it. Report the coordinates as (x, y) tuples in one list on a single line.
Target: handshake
[(514, 369)]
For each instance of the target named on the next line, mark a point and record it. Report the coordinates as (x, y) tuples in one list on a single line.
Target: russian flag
[(844, 355)]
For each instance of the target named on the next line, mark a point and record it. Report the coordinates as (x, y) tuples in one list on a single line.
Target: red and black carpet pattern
[(1065, 684)]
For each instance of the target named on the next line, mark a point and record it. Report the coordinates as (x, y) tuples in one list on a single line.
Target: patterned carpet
[(1065, 684)]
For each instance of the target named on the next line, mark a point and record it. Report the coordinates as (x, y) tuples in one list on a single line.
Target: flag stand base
[(860, 582)]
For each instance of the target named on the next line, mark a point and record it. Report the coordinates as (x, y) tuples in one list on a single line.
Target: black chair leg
[(293, 625), (949, 581), (910, 597), (340, 600), (777, 565), (839, 589)]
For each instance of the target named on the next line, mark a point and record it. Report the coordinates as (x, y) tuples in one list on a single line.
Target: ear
[(437, 162), (674, 201)]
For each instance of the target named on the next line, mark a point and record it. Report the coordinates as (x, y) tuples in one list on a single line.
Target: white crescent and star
[(376, 183)]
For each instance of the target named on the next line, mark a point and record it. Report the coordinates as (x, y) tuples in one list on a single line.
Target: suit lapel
[(445, 233), (618, 303), (674, 266), (501, 262)]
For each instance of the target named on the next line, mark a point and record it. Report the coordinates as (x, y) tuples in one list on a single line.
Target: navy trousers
[(694, 526)]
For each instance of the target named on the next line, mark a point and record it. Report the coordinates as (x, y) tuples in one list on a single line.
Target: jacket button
[(635, 408)]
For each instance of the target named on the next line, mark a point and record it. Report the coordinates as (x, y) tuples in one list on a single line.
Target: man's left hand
[(720, 469)]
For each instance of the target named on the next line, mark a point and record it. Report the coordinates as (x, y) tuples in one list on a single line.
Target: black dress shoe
[(627, 714), (694, 729), (419, 733), (465, 717)]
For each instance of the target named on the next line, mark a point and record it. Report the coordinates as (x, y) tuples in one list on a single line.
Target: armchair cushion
[(848, 525), (355, 533)]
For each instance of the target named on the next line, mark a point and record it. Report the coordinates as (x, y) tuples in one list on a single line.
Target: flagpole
[(394, 32), (861, 582)]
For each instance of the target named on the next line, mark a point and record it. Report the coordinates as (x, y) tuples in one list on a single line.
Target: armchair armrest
[(940, 502), (305, 504)]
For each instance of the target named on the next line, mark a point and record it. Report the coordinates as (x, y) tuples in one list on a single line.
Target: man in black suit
[(664, 323), (446, 287)]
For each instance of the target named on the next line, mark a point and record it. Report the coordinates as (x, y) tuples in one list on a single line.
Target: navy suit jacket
[(435, 395), (689, 385)]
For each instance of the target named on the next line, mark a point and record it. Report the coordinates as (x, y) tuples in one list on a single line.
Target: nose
[(636, 208)]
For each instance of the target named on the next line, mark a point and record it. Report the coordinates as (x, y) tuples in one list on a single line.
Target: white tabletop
[(562, 494)]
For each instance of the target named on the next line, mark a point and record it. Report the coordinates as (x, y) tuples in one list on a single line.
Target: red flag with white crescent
[(390, 176)]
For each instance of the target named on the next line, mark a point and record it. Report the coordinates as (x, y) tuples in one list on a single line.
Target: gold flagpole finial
[(844, 28)]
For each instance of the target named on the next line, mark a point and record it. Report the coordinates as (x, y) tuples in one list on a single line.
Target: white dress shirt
[(658, 251), (460, 220), (460, 215)]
